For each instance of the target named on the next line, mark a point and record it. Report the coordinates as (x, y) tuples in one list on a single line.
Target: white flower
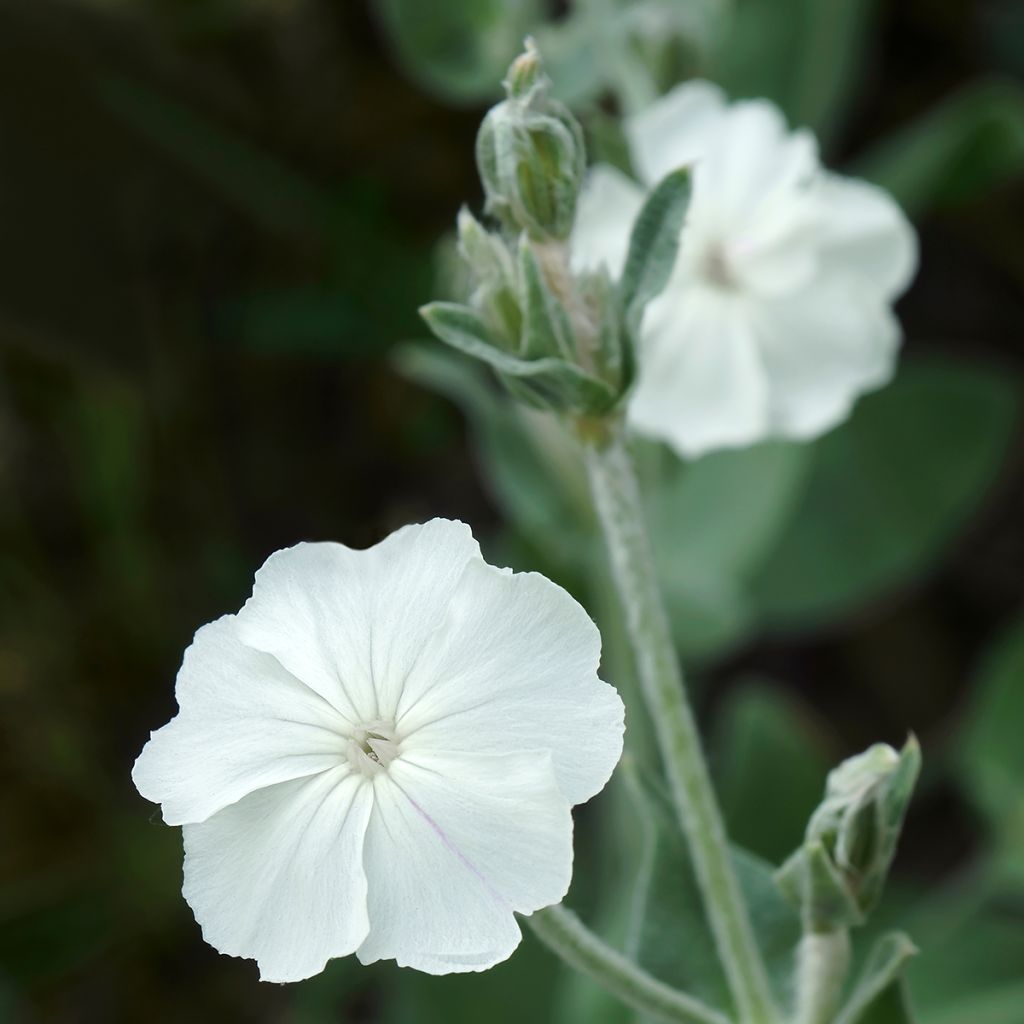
[(378, 754), (778, 312)]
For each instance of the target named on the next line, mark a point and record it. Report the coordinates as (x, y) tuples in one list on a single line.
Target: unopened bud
[(493, 282), (525, 72), (837, 876), (530, 155)]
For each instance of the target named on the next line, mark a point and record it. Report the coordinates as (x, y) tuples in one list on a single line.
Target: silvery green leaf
[(654, 242), (879, 996), (927, 449), (484, 252), (712, 540), (491, 280), (547, 383), (545, 327), (461, 327), (764, 732), (672, 938), (615, 362)]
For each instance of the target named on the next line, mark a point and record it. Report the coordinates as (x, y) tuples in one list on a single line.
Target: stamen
[(372, 747)]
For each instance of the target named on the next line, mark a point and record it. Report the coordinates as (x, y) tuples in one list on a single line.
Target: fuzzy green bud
[(530, 154), (493, 280), (837, 876)]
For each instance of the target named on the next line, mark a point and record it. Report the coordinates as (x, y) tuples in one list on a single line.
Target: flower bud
[(837, 876), (525, 72), (530, 154), (492, 280)]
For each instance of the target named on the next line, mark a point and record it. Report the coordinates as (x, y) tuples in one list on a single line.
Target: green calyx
[(837, 876), (531, 155), (560, 338)]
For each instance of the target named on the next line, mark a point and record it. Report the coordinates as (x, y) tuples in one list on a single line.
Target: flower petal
[(244, 723), (455, 844), (350, 624), (701, 384), (673, 131), (749, 161), (821, 349), (864, 232), (278, 877), (607, 207), (515, 669), (772, 239)]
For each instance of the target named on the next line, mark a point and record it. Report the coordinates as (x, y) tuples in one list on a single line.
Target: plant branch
[(822, 963), (621, 514), (563, 932)]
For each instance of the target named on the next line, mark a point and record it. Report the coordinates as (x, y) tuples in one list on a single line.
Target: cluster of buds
[(530, 154), (559, 339), (837, 876)]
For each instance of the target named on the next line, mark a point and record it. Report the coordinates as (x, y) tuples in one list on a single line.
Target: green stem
[(617, 500), (822, 962), (562, 931)]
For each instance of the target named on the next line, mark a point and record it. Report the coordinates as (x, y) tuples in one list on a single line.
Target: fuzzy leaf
[(673, 940), (545, 330), (879, 996), (888, 491), (711, 539), (654, 242), (547, 383), (766, 741)]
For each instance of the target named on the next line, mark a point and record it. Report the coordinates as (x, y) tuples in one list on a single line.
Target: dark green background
[(216, 223)]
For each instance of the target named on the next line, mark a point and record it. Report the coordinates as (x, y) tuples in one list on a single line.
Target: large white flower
[(778, 312), (378, 754)]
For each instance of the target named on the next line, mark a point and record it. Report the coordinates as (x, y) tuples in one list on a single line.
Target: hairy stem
[(564, 933), (617, 500), (822, 963)]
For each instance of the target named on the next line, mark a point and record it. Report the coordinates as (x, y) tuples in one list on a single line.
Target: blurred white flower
[(378, 754), (778, 312)]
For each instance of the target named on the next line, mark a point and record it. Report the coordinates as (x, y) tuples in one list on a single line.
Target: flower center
[(715, 269), (372, 747)]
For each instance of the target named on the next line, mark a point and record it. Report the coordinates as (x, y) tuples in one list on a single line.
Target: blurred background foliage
[(217, 219)]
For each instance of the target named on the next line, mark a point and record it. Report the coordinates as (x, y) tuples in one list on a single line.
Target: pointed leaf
[(545, 330), (888, 491), (879, 996), (711, 539), (548, 383), (766, 741), (675, 942), (654, 242)]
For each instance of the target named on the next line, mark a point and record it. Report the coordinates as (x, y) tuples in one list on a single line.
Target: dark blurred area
[(217, 221)]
